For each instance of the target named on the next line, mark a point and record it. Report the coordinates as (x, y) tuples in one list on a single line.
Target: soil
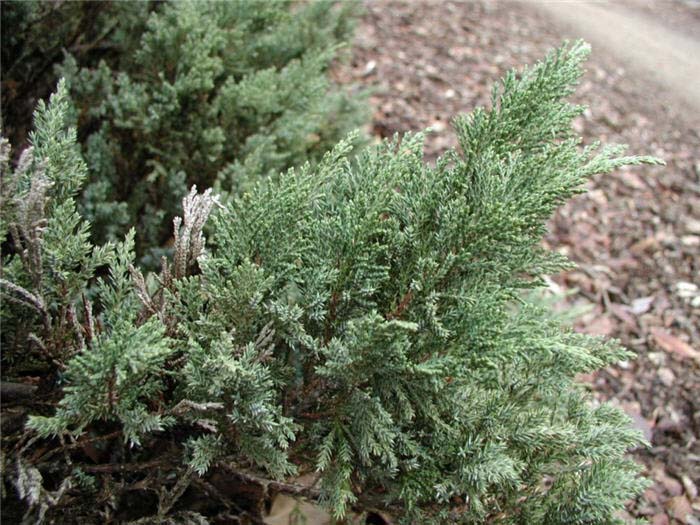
[(635, 235)]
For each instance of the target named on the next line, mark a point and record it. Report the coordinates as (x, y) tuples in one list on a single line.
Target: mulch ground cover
[(635, 235)]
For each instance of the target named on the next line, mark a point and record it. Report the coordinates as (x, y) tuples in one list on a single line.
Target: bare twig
[(268, 485), (46, 354), (77, 444), (226, 501), (364, 503), (73, 319), (89, 320), (127, 467), (403, 304), (186, 405), (166, 499)]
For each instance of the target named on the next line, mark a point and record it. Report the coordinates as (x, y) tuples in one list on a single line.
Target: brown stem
[(364, 503), (127, 467), (331, 317), (403, 304), (89, 321), (268, 485), (79, 444), (168, 499), (73, 319)]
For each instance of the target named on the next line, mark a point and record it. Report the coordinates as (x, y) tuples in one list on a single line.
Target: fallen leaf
[(671, 485), (622, 312), (602, 325), (666, 376), (286, 509), (692, 226), (690, 488), (673, 345), (650, 244), (652, 495), (632, 180), (687, 290), (690, 240), (633, 410), (679, 508)]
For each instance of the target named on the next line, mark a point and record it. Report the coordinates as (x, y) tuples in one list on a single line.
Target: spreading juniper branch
[(364, 318)]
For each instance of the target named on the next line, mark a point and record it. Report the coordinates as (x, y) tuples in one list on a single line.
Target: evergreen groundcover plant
[(173, 94), (361, 321), (36, 36)]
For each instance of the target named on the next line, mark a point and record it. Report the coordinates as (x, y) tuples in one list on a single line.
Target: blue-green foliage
[(112, 371), (53, 259), (361, 318), (36, 35), (116, 374), (216, 94), (400, 347)]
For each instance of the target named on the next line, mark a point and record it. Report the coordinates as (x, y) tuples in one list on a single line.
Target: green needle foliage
[(400, 344), (45, 310), (51, 263), (172, 94), (363, 319), (216, 94), (36, 35)]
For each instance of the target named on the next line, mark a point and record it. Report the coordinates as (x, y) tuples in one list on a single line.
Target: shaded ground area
[(635, 235)]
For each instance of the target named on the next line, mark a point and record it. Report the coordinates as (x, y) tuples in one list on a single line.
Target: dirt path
[(666, 51)]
